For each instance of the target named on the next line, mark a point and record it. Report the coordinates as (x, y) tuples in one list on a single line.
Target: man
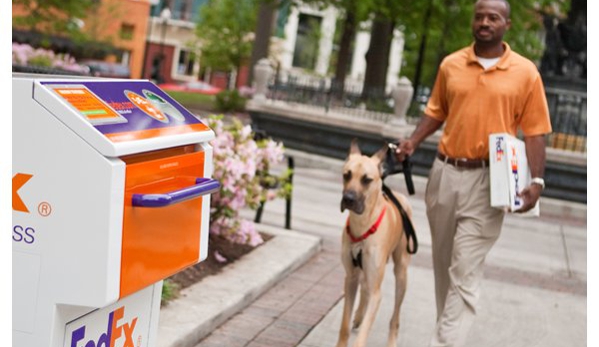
[(482, 89)]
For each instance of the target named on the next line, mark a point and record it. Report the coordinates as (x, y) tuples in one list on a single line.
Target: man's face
[(490, 21)]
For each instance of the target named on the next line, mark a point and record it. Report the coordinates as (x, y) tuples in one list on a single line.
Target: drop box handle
[(203, 186)]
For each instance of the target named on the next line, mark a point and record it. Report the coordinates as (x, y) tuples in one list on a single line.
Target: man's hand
[(405, 148), (424, 129), (530, 195)]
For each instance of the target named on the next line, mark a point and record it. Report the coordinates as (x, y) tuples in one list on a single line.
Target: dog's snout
[(352, 201), (349, 197)]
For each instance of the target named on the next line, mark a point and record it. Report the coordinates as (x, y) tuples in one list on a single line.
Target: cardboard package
[(509, 173)]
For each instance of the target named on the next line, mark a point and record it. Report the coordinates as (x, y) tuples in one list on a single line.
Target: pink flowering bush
[(23, 54), (242, 165)]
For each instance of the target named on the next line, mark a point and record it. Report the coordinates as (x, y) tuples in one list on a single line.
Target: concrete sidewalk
[(534, 289)]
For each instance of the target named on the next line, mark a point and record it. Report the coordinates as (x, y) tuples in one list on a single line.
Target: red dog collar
[(369, 232)]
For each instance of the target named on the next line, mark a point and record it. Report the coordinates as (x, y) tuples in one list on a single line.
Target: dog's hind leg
[(351, 287), (401, 259)]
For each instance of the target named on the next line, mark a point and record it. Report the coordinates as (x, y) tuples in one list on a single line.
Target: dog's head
[(361, 178)]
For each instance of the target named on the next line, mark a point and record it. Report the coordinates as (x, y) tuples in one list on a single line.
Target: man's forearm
[(535, 153), (425, 128)]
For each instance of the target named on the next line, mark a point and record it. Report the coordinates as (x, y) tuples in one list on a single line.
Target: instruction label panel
[(127, 110)]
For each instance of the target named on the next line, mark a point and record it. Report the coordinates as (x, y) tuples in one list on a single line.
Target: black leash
[(408, 227)]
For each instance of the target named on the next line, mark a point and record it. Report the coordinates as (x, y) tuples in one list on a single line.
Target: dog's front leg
[(374, 270), (350, 287), (359, 316)]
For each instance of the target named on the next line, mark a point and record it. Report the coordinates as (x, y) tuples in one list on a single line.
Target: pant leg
[(478, 226), (441, 199)]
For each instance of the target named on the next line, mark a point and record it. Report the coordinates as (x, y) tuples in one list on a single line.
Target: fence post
[(262, 73), (402, 95)]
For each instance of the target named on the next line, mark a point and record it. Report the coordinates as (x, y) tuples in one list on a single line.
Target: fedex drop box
[(509, 172), (111, 195)]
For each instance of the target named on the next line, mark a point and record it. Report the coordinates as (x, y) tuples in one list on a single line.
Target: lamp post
[(165, 15)]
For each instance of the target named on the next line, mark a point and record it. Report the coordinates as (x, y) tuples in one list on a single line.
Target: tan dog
[(364, 258)]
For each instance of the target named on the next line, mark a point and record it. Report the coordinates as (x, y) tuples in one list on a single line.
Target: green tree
[(449, 29), (52, 16), (225, 31)]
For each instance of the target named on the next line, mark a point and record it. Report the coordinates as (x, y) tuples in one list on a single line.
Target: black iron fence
[(45, 70), (568, 109), (352, 100)]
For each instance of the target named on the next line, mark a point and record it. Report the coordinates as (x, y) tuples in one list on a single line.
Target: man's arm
[(425, 128), (535, 153)]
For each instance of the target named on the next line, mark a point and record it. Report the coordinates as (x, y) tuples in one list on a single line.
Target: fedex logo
[(19, 181), (115, 332), (499, 149), (514, 167)]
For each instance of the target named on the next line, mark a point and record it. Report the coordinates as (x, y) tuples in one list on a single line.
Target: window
[(307, 42), (126, 32), (186, 63)]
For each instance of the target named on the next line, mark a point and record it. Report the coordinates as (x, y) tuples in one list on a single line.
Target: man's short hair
[(507, 6)]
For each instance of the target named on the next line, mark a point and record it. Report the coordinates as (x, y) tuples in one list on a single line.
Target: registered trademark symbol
[(44, 209)]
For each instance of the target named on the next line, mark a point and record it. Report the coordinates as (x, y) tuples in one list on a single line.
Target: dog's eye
[(347, 176), (366, 180)]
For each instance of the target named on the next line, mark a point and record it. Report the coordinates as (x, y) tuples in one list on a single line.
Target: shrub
[(23, 54), (229, 101), (241, 164)]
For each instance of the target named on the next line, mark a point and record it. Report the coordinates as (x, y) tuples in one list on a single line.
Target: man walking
[(481, 89)]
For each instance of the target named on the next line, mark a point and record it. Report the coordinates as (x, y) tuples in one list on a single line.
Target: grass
[(170, 291), (193, 100)]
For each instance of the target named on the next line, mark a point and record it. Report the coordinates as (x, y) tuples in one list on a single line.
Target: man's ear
[(354, 149)]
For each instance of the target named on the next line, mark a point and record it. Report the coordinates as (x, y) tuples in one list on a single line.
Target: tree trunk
[(344, 55), (377, 57), (264, 24), (421, 50)]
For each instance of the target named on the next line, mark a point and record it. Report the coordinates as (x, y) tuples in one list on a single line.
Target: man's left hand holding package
[(510, 173)]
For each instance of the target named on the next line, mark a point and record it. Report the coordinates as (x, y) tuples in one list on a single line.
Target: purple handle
[(203, 186)]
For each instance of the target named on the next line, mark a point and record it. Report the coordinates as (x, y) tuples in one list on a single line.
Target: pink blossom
[(238, 162), (219, 257)]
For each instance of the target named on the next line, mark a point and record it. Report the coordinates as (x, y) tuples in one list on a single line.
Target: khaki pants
[(464, 227)]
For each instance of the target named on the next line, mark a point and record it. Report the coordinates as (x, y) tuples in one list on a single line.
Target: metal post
[(291, 166)]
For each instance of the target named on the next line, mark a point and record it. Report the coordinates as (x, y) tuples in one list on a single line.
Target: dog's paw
[(356, 324)]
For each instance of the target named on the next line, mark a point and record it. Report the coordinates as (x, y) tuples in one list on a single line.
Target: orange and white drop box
[(111, 195)]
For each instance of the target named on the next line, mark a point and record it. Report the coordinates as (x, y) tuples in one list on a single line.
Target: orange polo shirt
[(474, 102)]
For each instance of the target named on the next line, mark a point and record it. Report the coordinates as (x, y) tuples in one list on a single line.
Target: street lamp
[(165, 15)]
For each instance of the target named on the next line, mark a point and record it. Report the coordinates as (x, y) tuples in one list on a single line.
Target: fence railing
[(568, 109), (568, 112), (322, 93)]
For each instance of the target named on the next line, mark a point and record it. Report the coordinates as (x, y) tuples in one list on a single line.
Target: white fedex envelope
[(509, 173)]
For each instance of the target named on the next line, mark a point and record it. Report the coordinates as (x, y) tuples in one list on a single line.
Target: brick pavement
[(285, 314)]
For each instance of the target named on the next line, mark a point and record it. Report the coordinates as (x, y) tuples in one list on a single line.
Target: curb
[(549, 207), (207, 304)]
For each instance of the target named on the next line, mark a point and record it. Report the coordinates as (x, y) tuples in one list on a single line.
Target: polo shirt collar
[(502, 64)]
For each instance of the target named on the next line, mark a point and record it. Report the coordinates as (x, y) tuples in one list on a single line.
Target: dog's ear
[(381, 154), (354, 148)]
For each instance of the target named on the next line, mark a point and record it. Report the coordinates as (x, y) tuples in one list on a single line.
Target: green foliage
[(170, 291), (40, 60), (449, 29), (229, 101), (52, 16), (378, 105), (194, 100), (225, 33)]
